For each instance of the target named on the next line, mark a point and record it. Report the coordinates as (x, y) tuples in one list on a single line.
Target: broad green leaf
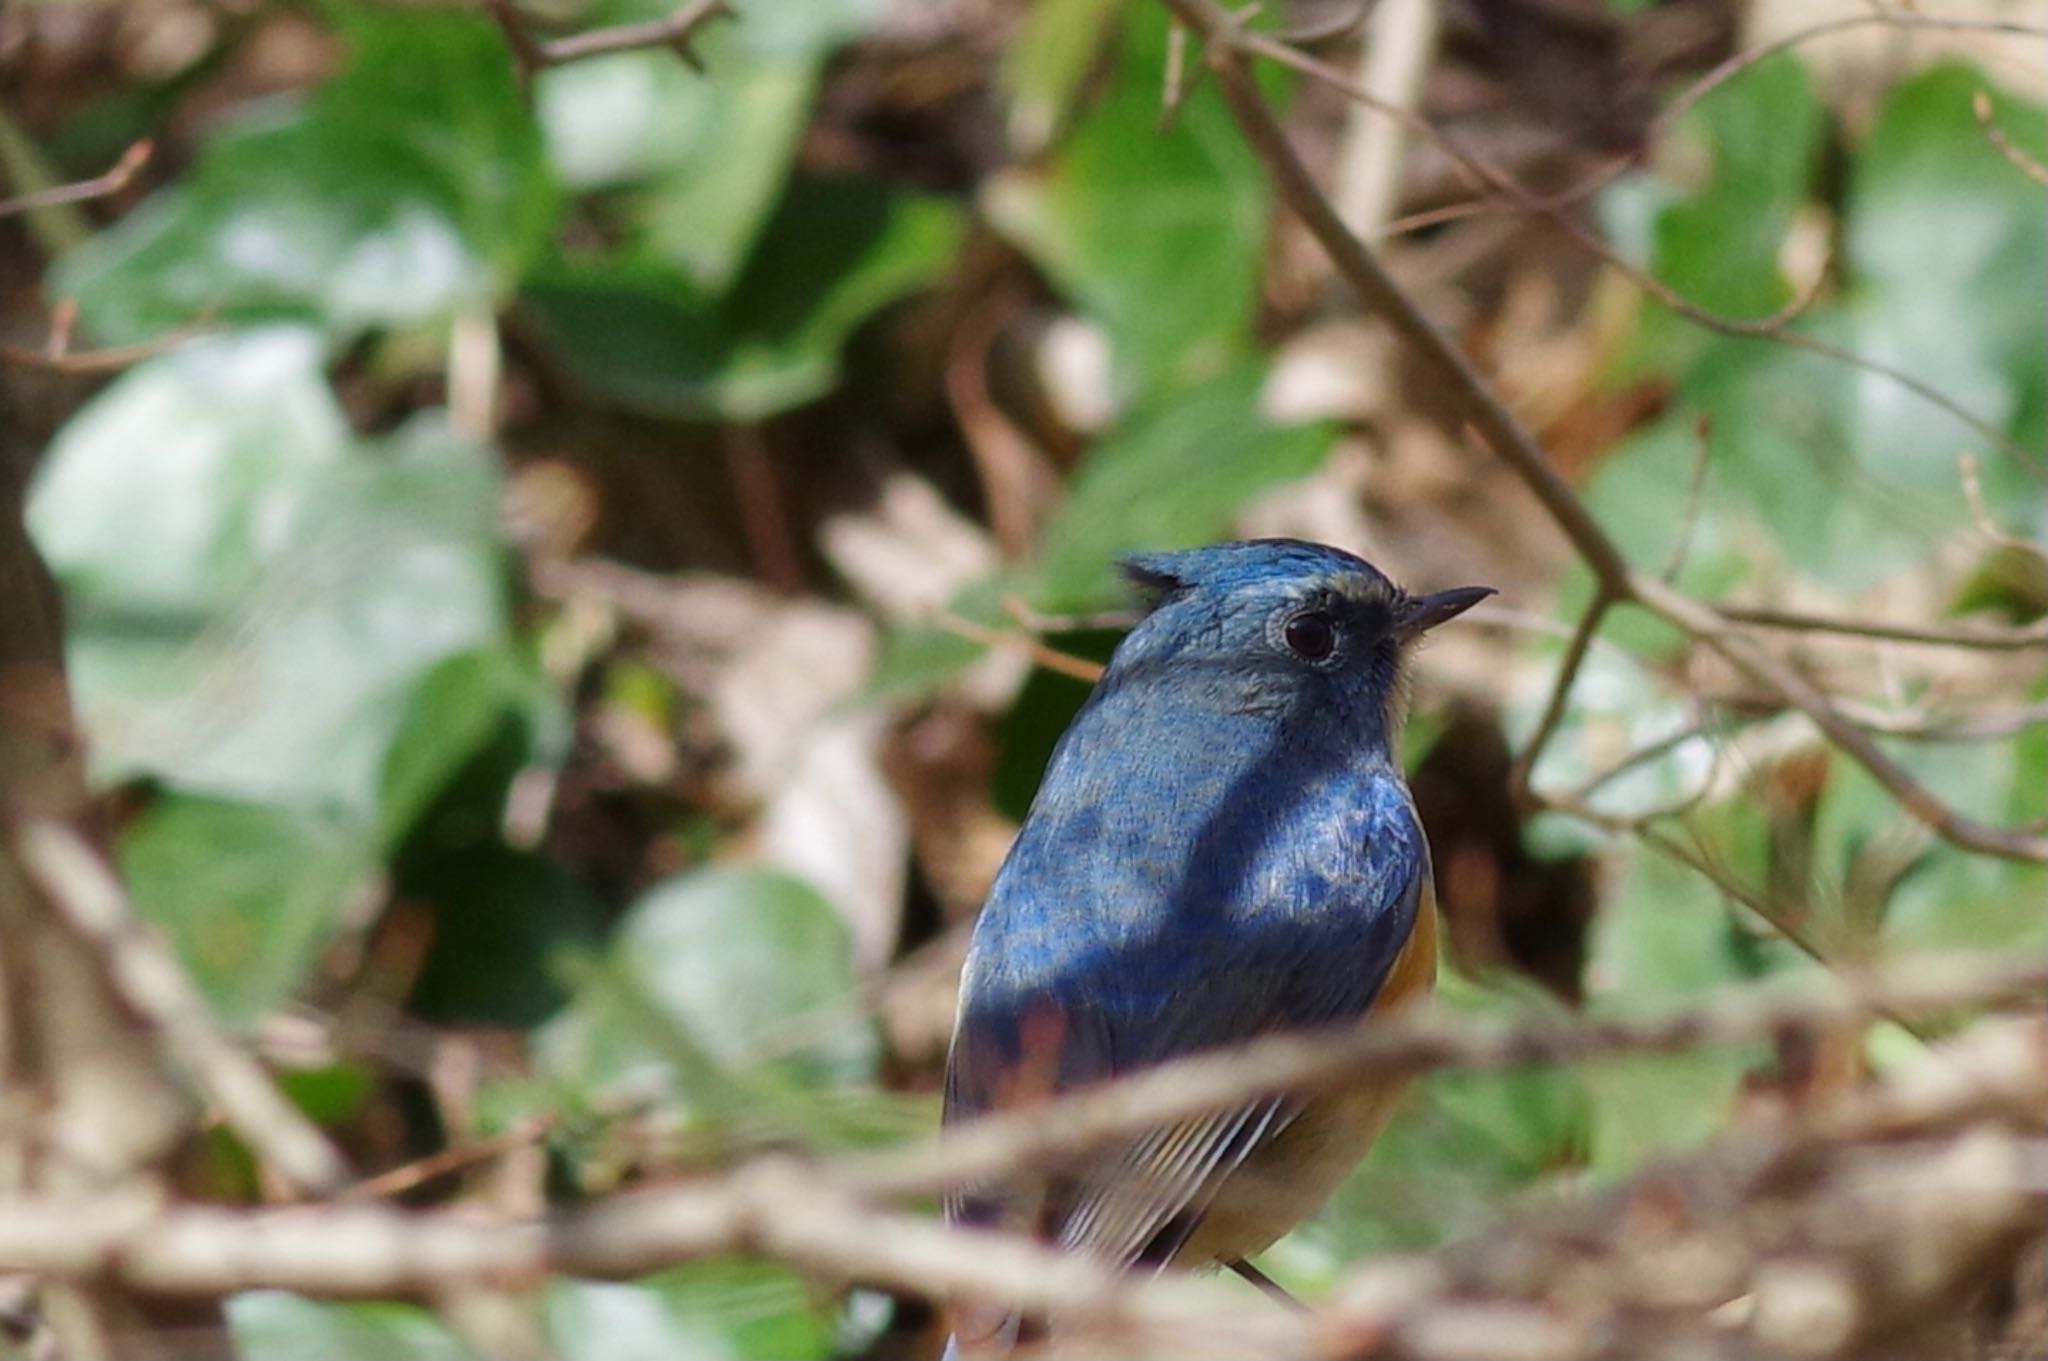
[(248, 896), (454, 710), (1948, 252), (252, 596), (1172, 476), (1817, 466), (1158, 236), (724, 987), (719, 1310), (706, 154), (406, 188), (837, 250), (272, 1325)]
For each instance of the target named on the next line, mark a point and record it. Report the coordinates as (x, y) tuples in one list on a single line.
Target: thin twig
[(1695, 498), (1980, 104), (1520, 777), (2023, 638), (113, 181), (676, 31), (1052, 659)]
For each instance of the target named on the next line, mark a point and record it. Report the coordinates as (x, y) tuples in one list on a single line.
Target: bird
[(1222, 846)]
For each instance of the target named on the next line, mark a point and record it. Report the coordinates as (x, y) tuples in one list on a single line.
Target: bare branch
[(676, 31), (113, 181), (1980, 104), (2021, 639), (1560, 694)]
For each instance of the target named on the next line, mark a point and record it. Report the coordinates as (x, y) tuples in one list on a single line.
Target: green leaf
[(709, 154), (1046, 59), (1815, 465), (1664, 935), (716, 973), (1948, 250), (252, 596), (503, 920), (272, 1325), (1157, 236), (718, 1310), (249, 897), (454, 710), (638, 332), (408, 187), (1172, 476)]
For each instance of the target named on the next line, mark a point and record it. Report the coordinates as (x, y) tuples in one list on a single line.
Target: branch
[(2021, 639), (676, 31), (112, 182), (1403, 1044)]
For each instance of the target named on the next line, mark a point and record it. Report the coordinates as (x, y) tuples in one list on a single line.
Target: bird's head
[(1279, 626)]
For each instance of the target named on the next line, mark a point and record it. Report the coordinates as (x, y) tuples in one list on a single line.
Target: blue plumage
[(1222, 846)]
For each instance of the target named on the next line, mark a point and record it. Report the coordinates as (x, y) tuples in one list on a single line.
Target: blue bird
[(1222, 847)]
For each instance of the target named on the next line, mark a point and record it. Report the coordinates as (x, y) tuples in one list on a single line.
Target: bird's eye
[(1310, 635)]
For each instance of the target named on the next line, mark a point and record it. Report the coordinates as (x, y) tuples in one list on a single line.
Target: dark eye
[(1310, 635)]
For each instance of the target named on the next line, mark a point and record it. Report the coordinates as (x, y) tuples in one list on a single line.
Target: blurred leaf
[(248, 896), (502, 920), (272, 1325), (329, 1095), (251, 598), (1171, 476), (836, 251), (1816, 465), (451, 713), (711, 153), (1948, 251), (408, 186), (1665, 934), (1157, 236), (1719, 247), (1046, 59), (719, 1310), (746, 968)]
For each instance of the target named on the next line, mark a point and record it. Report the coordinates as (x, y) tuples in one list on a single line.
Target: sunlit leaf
[(1158, 236), (405, 188), (252, 596)]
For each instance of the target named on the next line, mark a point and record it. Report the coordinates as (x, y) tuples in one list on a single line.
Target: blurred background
[(571, 570)]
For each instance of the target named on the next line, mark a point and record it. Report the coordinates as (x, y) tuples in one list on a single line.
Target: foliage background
[(531, 550)]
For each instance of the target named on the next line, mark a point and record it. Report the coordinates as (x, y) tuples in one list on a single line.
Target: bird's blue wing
[(1292, 920)]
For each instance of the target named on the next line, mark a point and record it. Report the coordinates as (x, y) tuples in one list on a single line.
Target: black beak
[(1425, 612)]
